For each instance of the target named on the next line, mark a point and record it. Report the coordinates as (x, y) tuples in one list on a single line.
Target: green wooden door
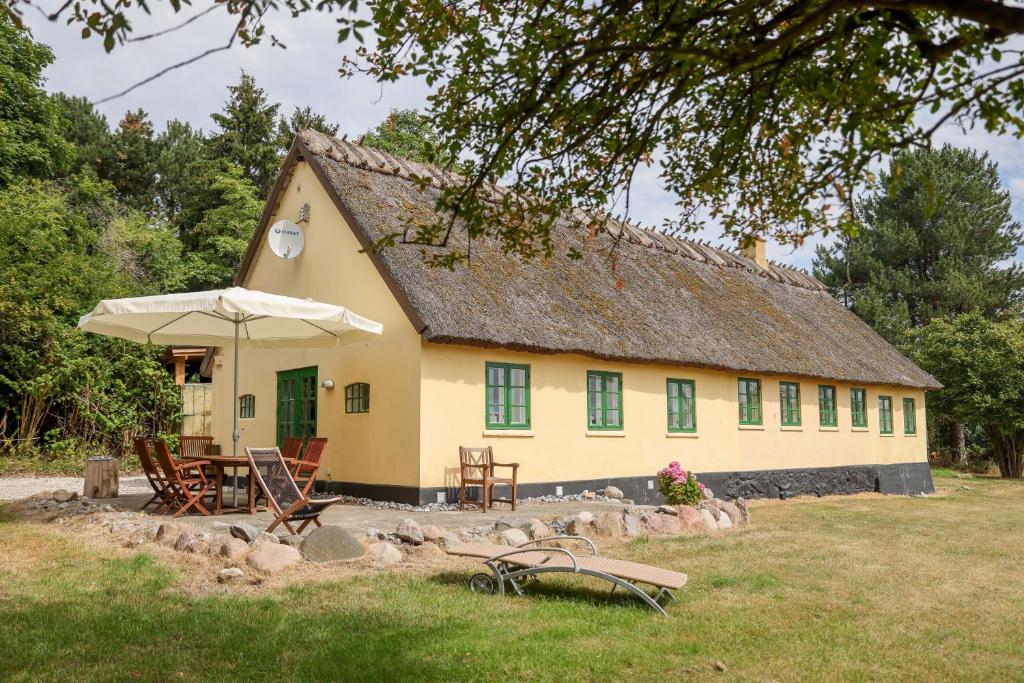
[(296, 403)]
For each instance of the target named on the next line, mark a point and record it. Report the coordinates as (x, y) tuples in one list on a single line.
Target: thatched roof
[(682, 303)]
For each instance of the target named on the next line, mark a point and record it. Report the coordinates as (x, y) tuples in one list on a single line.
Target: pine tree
[(182, 187), (248, 135), (302, 117), (937, 240), (132, 164)]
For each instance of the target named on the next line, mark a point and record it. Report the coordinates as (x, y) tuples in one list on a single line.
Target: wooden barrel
[(100, 478)]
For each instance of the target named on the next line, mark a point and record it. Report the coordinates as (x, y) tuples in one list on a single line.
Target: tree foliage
[(408, 134), (981, 364), (763, 116), (248, 133), (301, 118), (31, 143), (938, 239)]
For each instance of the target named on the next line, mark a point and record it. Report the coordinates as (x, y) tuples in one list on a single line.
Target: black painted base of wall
[(899, 479)]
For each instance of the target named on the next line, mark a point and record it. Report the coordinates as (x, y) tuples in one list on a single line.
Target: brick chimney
[(753, 248)]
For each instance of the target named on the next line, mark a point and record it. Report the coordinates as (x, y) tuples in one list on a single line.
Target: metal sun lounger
[(508, 564)]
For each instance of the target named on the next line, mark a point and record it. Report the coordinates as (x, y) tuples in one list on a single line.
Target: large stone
[(578, 527), (631, 524), (585, 516), (502, 524), (185, 540), (432, 532), (712, 510), (428, 552), (614, 492), (246, 532), (270, 558), (449, 540), (661, 524), (408, 530), (232, 548), (708, 494), (538, 529), (267, 538), (384, 553), (63, 495), (329, 543), (610, 524), (724, 522), (733, 513), (690, 518), (294, 540), (668, 510), (230, 573), (741, 503), (710, 523), (514, 537)]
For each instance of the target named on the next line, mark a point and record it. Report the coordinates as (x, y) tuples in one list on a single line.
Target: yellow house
[(745, 372)]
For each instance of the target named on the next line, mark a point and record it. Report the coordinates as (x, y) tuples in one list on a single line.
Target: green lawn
[(858, 588)]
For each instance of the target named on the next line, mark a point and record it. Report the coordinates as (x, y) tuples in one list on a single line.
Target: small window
[(827, 406), (247, 406), (682, 405), (749, 401), (858, 407), (508, 396), (885, 414), (789, 403), (357, 398), (604, 400), (909, 417)]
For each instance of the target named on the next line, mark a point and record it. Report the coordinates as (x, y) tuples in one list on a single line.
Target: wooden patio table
[(220, 463)]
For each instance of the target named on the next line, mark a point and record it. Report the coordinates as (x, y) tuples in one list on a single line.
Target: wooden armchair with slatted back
[(477, 468)]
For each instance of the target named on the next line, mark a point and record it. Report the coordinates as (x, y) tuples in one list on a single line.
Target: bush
[(679, 486)]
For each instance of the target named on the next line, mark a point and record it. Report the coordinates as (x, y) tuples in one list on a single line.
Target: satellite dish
[(286, 239)]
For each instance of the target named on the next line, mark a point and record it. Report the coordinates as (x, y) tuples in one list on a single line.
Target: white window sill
[(523, 433), (859, 429), (791, 428), (887, 436), (756, 428), (611, 433), (910, 435), (828, 429), (682, 435)]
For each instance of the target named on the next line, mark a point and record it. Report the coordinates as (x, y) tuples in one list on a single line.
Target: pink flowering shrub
[(679, 486)]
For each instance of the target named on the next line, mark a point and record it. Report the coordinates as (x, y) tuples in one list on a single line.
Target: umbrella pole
[(235, 434)]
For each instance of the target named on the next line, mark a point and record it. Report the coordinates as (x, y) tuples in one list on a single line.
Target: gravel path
[(13, 488)]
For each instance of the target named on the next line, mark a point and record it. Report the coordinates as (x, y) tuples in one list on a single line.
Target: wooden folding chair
[(187, 483), (476, 468), (305, 468), (161, 487), (197, 448), (288, 502)]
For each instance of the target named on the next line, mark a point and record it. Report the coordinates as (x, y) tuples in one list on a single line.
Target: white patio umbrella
[(249, 318)]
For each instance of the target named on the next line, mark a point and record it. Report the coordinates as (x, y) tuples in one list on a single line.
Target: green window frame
[(357, 398), (507, 396), (827, 416), (604, 401), (859, 407), (246, 406), (789, 403), (909, 416), (749, 399), (885, 414), (681, 396)]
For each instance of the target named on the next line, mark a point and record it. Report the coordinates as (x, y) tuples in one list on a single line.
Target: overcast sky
[(306, 74)]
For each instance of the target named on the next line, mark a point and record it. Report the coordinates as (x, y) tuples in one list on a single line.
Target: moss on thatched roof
[(682, 303)]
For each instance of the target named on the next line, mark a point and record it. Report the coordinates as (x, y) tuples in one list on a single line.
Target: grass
[(859, 588)]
